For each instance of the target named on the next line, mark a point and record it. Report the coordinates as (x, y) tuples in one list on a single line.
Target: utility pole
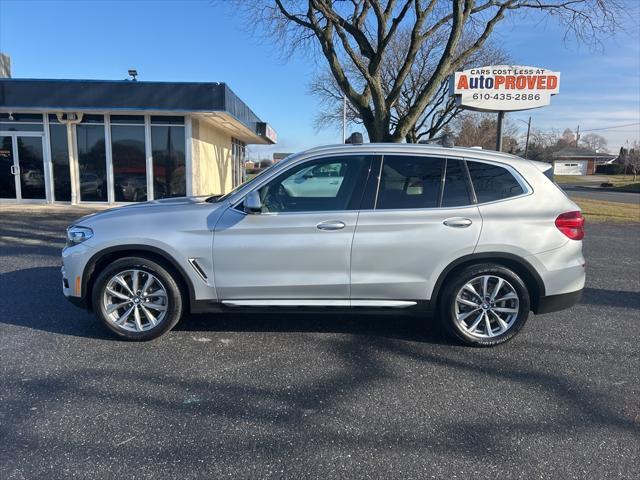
[(344, 118), (577, 135), (499, 131), (526, 145)]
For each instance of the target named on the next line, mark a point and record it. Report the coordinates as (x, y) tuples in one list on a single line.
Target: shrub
[(610, 169)]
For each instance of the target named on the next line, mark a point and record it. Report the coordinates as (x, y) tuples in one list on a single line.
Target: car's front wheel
[(484, 305), (137, 298)]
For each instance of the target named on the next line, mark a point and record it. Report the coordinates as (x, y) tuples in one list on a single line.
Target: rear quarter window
[(492, 182), (455, 188)]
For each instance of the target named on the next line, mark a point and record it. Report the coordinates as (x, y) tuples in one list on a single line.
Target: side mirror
[(252, 202)]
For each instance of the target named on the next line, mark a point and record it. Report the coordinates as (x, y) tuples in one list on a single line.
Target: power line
[(609, 128)]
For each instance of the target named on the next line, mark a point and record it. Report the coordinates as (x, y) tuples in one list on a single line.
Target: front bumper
[(68, 292), (74, 259), (554, 303)]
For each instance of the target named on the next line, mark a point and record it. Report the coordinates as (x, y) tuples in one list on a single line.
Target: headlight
[(76, 235)]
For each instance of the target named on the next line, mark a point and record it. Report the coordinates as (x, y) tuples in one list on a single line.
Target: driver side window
[(329, 184)]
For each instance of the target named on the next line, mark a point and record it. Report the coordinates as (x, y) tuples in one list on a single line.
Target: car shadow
[(400, 327), (611, 298), (32, 298)]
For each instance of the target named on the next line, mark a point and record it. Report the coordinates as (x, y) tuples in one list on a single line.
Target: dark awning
[(108, 95)]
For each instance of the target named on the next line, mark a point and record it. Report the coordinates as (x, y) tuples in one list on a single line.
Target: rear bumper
[(554, 303)]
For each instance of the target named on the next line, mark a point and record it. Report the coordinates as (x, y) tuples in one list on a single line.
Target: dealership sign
[(504, 87), (265, 130)]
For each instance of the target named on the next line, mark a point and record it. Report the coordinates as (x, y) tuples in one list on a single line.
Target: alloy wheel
[(135, 300), (486, 306)]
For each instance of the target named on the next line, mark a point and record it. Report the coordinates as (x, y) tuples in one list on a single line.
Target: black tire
[(164, 274), (447, 304)]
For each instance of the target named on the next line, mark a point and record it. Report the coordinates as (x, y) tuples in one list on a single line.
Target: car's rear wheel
[(484, 305), (137, 298)]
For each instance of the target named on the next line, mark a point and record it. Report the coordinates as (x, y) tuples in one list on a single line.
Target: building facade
[(87, 141)]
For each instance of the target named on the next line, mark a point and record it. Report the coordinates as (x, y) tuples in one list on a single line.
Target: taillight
[(571, 224)]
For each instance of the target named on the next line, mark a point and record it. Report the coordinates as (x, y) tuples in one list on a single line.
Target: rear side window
[(410, 182), (422, 182), (492, 182)]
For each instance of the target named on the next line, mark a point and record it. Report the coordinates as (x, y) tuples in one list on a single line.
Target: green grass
[(599, 211), (569, 179)]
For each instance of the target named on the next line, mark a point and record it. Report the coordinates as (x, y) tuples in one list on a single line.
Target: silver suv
[(477, 238)]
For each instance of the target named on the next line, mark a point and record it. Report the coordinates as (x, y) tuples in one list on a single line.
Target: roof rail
[(445, 140)]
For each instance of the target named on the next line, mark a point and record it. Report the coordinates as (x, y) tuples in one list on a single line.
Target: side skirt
[(357, 307)]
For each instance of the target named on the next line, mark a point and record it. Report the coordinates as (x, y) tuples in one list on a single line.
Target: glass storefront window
[(60, 162), (238, 156), (92, 118), (168, 150), (20, 127), (92, 160), (21, 122), (21, 117), (127, 119), (167, 120), (129, 163)]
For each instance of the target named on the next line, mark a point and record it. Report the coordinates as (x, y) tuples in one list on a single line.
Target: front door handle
[(14, 170), (331, 225), (458, 222)]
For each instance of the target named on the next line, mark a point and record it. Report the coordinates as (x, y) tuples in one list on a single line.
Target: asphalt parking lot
[(308, 396), (602, 195)]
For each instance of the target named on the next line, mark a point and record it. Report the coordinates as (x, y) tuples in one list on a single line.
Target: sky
[(204, 40)]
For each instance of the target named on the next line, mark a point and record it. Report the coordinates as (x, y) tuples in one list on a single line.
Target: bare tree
[(594, 142), (631, 160), (440, 110), (546, 139), (474, 129), (355, 36), (567, 139)]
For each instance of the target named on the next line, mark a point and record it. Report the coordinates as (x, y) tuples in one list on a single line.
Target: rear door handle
[(458, 222), (331, 225)]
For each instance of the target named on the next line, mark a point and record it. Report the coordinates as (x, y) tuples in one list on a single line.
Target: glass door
[(8, 169), (31, 168), (22, 167)]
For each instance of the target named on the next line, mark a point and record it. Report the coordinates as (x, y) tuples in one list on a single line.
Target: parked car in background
[(477, 238), (91, 186)]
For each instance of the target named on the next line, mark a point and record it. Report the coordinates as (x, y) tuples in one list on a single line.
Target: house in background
[(578, 161)]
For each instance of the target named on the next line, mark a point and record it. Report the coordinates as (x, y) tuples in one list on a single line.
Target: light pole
[(344, 118), (526, 145), (499, 131)]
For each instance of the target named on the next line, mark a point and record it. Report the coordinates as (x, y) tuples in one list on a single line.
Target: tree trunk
[(377, 128)]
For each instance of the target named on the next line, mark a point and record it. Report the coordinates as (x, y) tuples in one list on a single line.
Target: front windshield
[(220, 198)]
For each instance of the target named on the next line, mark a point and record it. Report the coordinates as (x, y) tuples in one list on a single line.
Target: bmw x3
[(475, 239)]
